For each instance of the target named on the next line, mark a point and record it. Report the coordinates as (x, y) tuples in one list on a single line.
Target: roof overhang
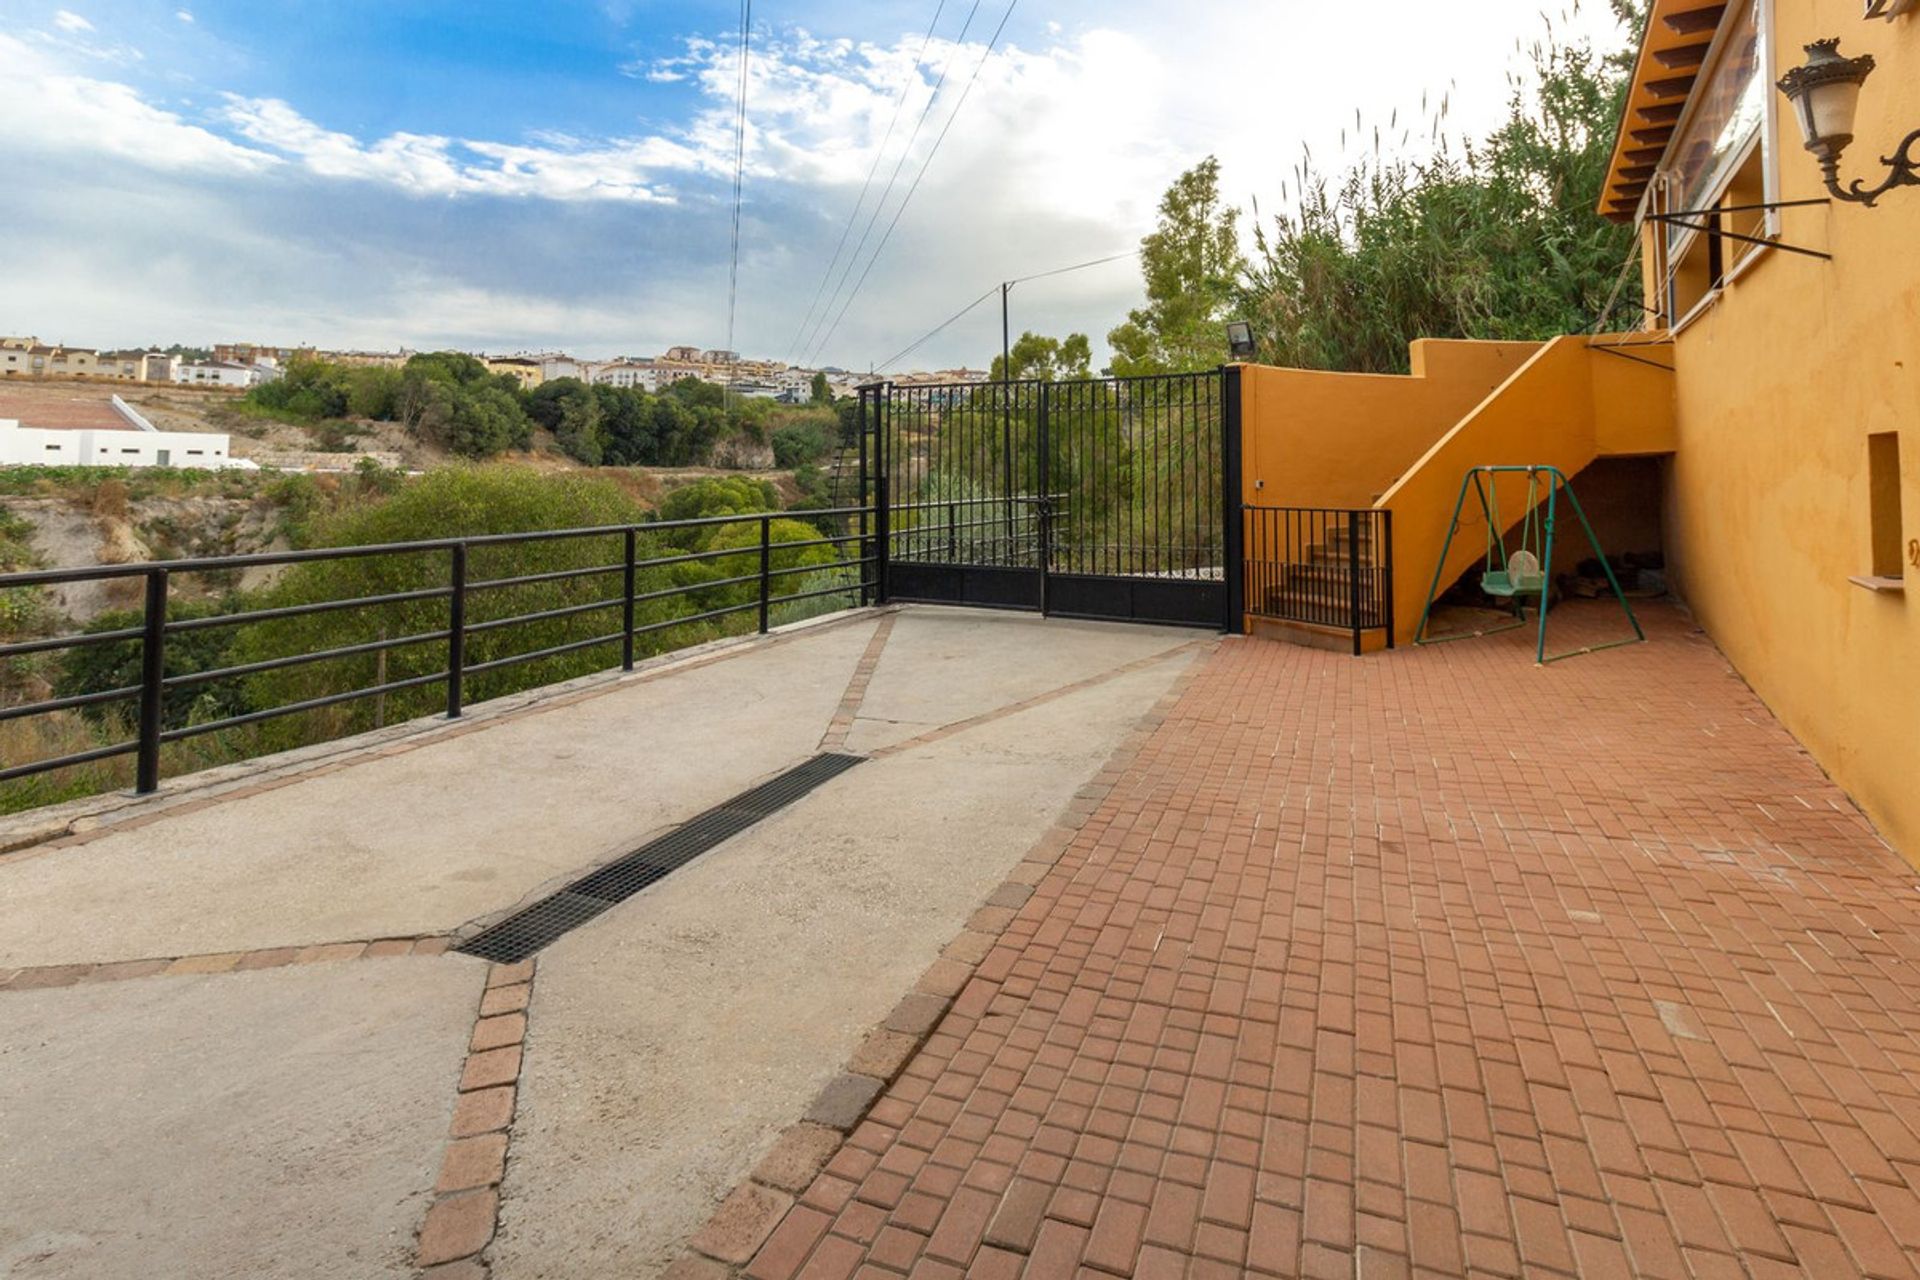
[(1672, 54)]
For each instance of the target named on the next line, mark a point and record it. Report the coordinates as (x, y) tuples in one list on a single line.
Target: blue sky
[(509, 176)]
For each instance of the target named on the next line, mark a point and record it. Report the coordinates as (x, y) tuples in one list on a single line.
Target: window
[(1722, 163), (1883, 498), (53, 448)]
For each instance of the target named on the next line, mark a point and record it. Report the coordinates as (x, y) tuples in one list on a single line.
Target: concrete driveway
[(235, 1043)]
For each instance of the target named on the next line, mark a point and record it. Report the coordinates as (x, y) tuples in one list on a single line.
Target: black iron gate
[(1112, 498)]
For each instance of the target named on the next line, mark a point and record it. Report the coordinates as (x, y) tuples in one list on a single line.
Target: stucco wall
[(1341, 439), (1781, 381)]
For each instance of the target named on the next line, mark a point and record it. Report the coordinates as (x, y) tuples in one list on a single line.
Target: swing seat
[(1521, 577)]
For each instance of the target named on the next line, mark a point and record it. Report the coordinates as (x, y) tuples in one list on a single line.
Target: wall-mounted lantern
[(1825, 93), (1240, 340)]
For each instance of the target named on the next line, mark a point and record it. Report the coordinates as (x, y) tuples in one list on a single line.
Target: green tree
[(1191, 264), (445, 503), (116, 664), (822, 393), (1499, 241), (1045, 359), (719, 496)]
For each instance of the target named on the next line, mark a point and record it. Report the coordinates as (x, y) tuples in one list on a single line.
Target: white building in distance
[(99, 447)]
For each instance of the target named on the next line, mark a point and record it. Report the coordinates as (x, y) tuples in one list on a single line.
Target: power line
[(811, 345), (739, 176), (944, 325), (924, 166), (879, 154), (937, 330)]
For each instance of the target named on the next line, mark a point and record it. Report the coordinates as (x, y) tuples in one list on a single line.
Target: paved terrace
[(1425, 964)]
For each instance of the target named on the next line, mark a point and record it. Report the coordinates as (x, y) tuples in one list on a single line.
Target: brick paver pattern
[(1432, 964)]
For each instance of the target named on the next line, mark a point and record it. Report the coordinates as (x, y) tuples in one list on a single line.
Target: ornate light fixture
[(1825, 93)]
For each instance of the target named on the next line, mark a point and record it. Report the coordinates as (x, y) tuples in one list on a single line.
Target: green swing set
[(1526, 571)]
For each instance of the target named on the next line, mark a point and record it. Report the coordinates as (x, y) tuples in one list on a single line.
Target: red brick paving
[(1430, 964)]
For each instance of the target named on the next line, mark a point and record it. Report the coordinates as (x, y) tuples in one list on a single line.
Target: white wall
[(215, 375), (43, 447)]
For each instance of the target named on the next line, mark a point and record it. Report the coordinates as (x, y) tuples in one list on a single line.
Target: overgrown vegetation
[(1498, 240), (681, 603), (1494, 239)]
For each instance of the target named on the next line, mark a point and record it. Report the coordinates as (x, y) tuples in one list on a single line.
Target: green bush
[(116, 664), (450, 503)]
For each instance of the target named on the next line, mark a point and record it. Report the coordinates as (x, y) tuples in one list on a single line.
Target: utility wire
[(944, 325), (811, 345), (739, 176), (938, 329), (1061, 271), (924, 166), (872, 169)]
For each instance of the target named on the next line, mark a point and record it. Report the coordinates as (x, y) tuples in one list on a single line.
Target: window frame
[(1674, 244)]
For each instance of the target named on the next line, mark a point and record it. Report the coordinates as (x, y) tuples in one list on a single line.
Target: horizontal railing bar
[(568, 611), (73, 703), (68, 762), (296, 708), (824, 591), (809, 568), (78, 640), (47, 577), (696, 617), (304, 610), (300, 659), (556, 575), (552, 652)]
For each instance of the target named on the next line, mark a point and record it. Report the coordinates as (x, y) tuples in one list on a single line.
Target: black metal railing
[(1322, 566), (648, 602)]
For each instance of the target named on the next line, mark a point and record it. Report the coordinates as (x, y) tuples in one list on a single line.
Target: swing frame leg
[(1420, 636)]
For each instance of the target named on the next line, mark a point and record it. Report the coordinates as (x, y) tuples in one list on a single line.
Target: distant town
[(240, 365)]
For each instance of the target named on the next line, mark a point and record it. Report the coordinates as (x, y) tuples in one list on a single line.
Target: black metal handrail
[(150, 693), (1322, 566)]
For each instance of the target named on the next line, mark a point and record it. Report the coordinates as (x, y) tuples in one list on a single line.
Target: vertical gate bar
[(153, 675), (882, 493), (1353, 577), (1385, 551), (1230, 498), (1043, 514), (457, 632), (766, 571), (867, 576), (626, 610)]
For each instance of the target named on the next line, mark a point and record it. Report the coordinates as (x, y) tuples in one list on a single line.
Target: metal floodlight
[(1825, 93), (1240, 339)]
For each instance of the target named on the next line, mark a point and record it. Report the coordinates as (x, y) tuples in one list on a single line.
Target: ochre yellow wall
[(1565, 407), (1780, 383), (1314, 439)]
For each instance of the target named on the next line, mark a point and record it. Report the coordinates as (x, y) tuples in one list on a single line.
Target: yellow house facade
[(1793, 492), (1760, 424)]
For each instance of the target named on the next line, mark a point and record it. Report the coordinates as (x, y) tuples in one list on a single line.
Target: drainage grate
[(527, 931)]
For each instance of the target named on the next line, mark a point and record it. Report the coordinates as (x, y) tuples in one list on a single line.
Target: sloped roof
[(1672, 53)]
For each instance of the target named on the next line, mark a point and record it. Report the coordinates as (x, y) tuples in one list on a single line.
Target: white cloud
[(1060, 156), (183, 15), (74, 114), (67, 20), (554, 169)]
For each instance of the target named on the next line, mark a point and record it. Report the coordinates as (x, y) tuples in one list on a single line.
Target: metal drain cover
[(534, 927)]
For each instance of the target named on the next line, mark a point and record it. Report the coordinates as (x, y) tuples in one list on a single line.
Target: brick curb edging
[(54, 976), (465, 1213), (760, 1216)]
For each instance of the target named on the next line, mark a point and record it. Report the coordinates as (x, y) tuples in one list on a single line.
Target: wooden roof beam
[(1683, 56), (1691, 22)]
